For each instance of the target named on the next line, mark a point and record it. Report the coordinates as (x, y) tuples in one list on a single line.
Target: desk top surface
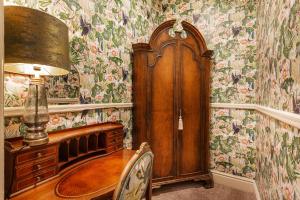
[(94, 178)]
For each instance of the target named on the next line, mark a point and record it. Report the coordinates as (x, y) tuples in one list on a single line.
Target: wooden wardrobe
[(171, 84)]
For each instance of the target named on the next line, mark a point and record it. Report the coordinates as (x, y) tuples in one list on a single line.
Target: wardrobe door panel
[(190, 151), (162, 112)]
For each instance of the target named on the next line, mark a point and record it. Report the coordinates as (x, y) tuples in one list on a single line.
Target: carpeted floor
[(194, 191)]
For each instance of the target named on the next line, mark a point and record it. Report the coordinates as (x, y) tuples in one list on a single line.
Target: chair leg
[(149, 190)]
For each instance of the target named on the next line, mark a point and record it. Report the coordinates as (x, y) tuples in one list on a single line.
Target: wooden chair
[(135, 182)]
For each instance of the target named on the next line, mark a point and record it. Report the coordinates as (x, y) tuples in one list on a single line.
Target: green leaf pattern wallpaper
[(278, 54), (278, 159), (278, 86), (232, 146), (101, 34), (228, 28), (256, 60)]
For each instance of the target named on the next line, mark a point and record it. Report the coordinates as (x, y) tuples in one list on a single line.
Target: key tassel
[(180, 123)]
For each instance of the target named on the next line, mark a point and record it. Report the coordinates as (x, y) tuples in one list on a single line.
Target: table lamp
[(36, 44)]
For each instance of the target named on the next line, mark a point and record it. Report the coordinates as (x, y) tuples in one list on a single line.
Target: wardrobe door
[(162, 113), (190, 151)]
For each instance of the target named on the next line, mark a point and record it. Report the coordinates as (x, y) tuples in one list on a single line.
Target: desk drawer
[(24, 170), (37, 154), (35, 178), (115, 133), (114, 140), (114, 148)]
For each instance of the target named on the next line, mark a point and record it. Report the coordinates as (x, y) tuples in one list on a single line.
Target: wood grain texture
[(172, 77), (96, 178), (191, 91), (26, 167), (162, 110)]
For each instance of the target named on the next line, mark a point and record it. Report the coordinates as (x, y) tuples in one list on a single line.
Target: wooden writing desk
[(90, 156), (97, 178)]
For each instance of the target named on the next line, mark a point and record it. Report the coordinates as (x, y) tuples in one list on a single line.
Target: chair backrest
[(136, 176)]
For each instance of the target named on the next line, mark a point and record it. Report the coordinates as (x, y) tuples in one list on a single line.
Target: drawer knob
[(38, 178), (39, 154)]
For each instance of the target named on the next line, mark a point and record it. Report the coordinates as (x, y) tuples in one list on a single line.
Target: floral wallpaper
[(232, 145), (101, 34), (228, 28), (256, 60), (278, 79), (278, 159), (16, 87), (278, 54)]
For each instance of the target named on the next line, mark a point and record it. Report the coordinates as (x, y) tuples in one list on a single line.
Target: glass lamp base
[(36, 136), (36, 142), (36, 114)]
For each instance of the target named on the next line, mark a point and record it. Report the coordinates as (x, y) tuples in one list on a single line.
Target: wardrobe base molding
[(207, 178)]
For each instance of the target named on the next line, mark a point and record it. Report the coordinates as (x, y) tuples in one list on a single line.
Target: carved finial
[(177, 27)]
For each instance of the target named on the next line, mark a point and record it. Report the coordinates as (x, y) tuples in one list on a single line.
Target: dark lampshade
[(36, 44), (35, 40)]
